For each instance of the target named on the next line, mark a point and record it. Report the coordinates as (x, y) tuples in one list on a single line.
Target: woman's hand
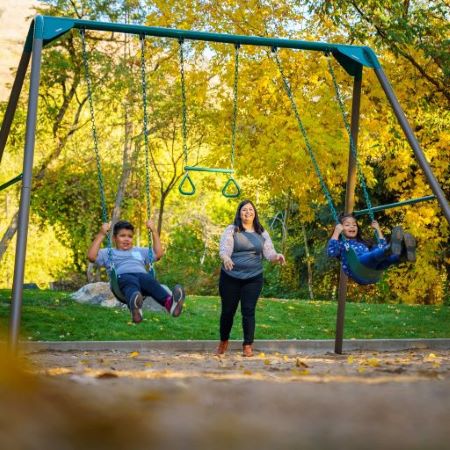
[(227, 263), (280, 259)]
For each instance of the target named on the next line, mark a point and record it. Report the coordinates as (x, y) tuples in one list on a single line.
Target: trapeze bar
[(206, 169), (395, 205)]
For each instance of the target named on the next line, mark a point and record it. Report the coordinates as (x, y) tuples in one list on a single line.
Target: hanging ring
[(182, 189), (237, 190)]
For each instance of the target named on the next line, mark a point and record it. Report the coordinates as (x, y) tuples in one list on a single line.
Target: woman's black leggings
[(231, 291)]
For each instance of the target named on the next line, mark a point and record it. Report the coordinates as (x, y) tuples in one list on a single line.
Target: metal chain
[(288, 90), (146, 133), (235, 105), (183, 104), (361, 178), (95, 139)]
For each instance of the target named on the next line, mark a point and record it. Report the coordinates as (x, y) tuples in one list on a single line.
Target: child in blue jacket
[(402, 246)]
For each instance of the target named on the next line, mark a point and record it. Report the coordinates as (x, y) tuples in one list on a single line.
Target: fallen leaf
[(430, 357), (373, 362), (299, 372), (133, 354), (300, 363), (106, 375)]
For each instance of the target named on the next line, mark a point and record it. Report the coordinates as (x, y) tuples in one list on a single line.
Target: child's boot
[(396, 241), (410, 247)]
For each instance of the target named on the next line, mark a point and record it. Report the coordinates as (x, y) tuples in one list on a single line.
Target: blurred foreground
[(153, 400)]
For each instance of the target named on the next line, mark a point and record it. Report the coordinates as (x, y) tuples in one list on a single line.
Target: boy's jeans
[(130, 283)]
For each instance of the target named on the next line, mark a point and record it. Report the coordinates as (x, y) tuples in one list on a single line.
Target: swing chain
[(183, 103), (235, 105), (344, 113), (95, 139), (309, 148), (146, 137)]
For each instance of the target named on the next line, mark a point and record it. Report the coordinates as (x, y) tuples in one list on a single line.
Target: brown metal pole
[(349, 204)]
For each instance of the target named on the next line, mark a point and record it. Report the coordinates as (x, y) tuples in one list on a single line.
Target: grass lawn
[(53, 316)]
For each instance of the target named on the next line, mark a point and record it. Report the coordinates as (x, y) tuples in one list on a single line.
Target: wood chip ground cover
[(163, 400)]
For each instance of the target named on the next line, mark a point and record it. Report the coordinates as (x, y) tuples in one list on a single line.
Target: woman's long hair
[(238, 221), (359, 236)]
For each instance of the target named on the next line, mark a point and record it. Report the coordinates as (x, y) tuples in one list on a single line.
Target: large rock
[(100, 294)]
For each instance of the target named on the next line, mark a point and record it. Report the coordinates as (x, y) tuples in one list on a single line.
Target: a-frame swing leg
[(24, 208), (349, 205), (13, 99), (434, 184)]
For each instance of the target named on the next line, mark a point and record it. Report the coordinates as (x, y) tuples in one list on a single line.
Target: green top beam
[(349, 56), (394, 205)]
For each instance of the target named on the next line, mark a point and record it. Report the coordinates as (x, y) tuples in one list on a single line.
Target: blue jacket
[(336, 249)]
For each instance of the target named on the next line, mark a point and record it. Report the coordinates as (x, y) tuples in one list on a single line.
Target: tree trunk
[(9, 234)]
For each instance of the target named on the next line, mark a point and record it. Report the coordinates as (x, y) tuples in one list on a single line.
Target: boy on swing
[(130, 265)]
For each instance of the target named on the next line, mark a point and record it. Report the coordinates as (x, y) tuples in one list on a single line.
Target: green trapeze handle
[(181, 188), (231, 182), (207, 169)]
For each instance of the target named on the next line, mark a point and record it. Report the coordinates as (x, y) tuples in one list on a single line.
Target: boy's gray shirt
[(126, 261)]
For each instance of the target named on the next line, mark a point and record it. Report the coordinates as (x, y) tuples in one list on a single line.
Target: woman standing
[(242, 247)]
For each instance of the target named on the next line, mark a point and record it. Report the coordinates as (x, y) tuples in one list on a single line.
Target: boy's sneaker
[(174, 304), (396, 241), (410, 244), (136, 307)]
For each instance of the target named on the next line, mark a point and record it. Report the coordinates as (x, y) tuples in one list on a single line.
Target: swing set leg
[(342, 296)]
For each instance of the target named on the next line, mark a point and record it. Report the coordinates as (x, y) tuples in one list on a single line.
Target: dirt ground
[(157, 400)]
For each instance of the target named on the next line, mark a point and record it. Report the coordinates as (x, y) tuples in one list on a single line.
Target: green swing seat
[(363, 273), (114, 284)]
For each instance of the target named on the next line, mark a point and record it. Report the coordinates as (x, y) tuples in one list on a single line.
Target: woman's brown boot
[(222, 348), (247, 350)]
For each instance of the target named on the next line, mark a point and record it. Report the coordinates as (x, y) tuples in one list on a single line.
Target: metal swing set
[(44, 30)]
